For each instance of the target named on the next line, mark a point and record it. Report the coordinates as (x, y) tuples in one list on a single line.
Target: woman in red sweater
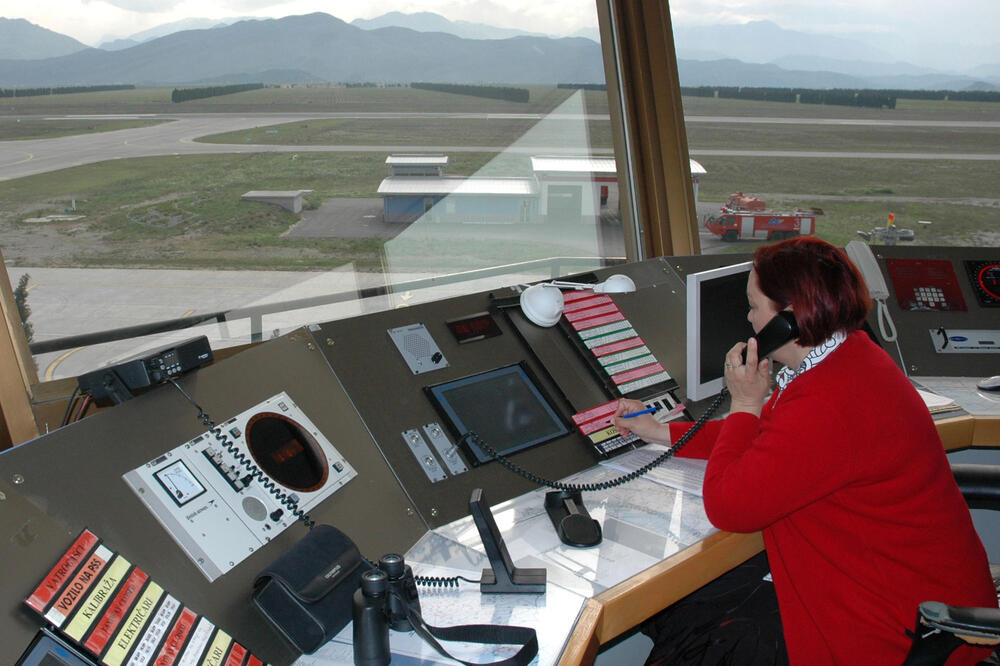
[(840, 467)]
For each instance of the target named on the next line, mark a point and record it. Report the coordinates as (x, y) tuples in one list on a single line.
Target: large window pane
[(253, 196), (887, 121)]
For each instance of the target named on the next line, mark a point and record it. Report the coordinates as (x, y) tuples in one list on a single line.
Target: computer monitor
[(503, 406), (716, 320)]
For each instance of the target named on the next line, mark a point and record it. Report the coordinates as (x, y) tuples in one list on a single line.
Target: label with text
[(61, 572)]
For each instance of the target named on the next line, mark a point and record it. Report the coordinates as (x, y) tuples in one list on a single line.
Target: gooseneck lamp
[(543, 303)]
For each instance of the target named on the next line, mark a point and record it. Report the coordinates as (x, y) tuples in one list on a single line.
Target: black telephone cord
[(223, 440), (603, 485)]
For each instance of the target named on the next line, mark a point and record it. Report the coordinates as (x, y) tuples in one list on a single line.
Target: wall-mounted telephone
[(781, 329), (861, 254)]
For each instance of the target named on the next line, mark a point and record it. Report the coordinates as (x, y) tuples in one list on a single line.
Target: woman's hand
[(748, 383), (644, 426)]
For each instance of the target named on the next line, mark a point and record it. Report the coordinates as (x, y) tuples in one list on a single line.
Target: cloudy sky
[(960, 22)]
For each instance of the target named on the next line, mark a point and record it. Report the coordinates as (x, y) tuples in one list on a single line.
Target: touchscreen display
[(503, 406)]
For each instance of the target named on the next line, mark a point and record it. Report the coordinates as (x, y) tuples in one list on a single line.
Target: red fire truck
[(747, 217)]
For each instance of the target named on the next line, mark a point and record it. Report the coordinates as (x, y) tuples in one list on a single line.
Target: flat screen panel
[(716, 320), (504, 407), (49, 650)]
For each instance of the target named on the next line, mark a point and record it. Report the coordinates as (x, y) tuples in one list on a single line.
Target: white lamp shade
[(616, 284), (542, 304)]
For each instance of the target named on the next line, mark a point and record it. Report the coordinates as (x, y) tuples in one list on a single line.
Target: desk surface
[(622, 607), (593, 595)]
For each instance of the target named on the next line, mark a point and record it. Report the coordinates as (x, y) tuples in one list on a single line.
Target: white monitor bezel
[(697, 390)]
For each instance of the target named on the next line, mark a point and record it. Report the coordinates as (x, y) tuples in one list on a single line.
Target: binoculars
[(384, 600)]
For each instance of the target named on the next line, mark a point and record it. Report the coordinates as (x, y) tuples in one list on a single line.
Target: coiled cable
[(603, 485), (254, 471)]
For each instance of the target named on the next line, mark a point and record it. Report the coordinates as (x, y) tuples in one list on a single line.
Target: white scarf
[(812, 359)]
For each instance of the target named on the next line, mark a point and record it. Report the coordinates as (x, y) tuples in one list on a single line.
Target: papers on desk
[(964, 393), (684, 474), (937, 403)]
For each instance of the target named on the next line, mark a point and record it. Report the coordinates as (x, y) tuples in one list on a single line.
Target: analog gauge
[(985, 278), (179, 482)]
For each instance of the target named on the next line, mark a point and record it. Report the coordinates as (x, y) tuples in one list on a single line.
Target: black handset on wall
[(775, 333)]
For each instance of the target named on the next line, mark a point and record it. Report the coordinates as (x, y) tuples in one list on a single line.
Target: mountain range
[(316, 47), (431, 22), (423, 46), (21, 40), (117, 44)]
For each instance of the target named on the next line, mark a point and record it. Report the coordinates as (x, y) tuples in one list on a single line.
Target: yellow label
[(132, 628), (599, 436), (218, 650), (103, 591)]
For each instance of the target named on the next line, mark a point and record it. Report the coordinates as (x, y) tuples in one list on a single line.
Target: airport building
[(560, 189)]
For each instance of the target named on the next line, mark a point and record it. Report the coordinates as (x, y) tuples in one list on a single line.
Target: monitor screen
[(503, 406), (716, 320)]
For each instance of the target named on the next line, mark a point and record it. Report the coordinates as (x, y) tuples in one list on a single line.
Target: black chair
[(941, 628)]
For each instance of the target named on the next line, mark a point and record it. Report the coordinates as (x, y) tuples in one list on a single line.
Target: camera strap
[(491, 634)]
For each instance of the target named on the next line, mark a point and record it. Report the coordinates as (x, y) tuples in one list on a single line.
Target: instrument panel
[(943, 303), (227, 492), (353, 435)]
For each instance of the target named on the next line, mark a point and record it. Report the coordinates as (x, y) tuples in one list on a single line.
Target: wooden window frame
[(18, 376), (647, 116)]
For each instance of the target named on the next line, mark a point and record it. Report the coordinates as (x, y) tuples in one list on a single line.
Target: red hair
[(820, 284)]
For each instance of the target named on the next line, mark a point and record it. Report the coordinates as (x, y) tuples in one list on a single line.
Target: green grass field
[(861, 178), (298, 99), (185, 211), (906, 109), (430, 132), (32, 127), (844, 138)]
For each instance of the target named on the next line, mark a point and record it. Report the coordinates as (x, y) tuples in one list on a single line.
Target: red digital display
[(473, 327), (288, 451)]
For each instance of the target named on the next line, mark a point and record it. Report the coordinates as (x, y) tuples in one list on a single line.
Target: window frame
[(640, 57)]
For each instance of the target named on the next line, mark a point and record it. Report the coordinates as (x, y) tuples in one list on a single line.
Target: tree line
[(838, 96), (60, 90), (188, 94), (583, 86), (491, 92)]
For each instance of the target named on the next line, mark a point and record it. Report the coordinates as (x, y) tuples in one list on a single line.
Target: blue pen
[(648, 410)]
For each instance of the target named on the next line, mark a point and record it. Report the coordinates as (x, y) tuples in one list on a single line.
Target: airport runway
[(177, 137)]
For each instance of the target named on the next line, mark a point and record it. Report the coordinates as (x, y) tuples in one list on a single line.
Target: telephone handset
[(861, 254), (781, 329)]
